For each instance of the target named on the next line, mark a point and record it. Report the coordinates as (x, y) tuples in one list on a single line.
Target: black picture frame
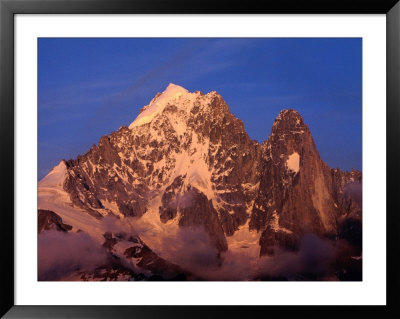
[(8, 8)]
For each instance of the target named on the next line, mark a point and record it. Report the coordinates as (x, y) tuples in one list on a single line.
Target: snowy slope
[(172, 94)]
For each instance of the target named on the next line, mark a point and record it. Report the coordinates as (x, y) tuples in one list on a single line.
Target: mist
[(61, 254), (192, 249)]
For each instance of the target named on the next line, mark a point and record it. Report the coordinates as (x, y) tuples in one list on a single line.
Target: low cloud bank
[(191, 249), (60, 254), (312, 262)]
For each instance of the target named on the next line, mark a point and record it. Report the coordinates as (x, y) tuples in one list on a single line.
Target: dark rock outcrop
[(49, 220), (159, 267)]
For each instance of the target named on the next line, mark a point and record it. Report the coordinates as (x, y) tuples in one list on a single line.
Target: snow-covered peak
[(174, 88), (172, 93), (55, 178)]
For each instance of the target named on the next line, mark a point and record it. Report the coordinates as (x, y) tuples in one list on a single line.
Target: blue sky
[(91, 87)]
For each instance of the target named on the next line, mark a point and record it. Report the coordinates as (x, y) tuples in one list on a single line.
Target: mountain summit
[(156, 106), (186, 162)]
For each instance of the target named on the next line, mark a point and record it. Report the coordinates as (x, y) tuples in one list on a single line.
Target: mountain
[(186, 163), (298, 192)]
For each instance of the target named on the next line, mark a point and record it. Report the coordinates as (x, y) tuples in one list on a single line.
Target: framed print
[(172, 160)]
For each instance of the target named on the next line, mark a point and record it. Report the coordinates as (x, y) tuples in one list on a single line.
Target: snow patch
[(275, 224), (245, 243), (153, 231), (293, 162), (112, 206)]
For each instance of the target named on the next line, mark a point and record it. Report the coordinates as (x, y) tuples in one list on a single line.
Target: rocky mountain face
[(187, 161), (194, 156), (298, 192)]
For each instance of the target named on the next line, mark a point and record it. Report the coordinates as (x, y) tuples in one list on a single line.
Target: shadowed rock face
[(270, 239), (295, 198), (201, 212), (196, 160), (158, 266), (49, 220)]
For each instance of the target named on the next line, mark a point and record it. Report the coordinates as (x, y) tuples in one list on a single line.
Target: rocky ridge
[(188, 160)]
